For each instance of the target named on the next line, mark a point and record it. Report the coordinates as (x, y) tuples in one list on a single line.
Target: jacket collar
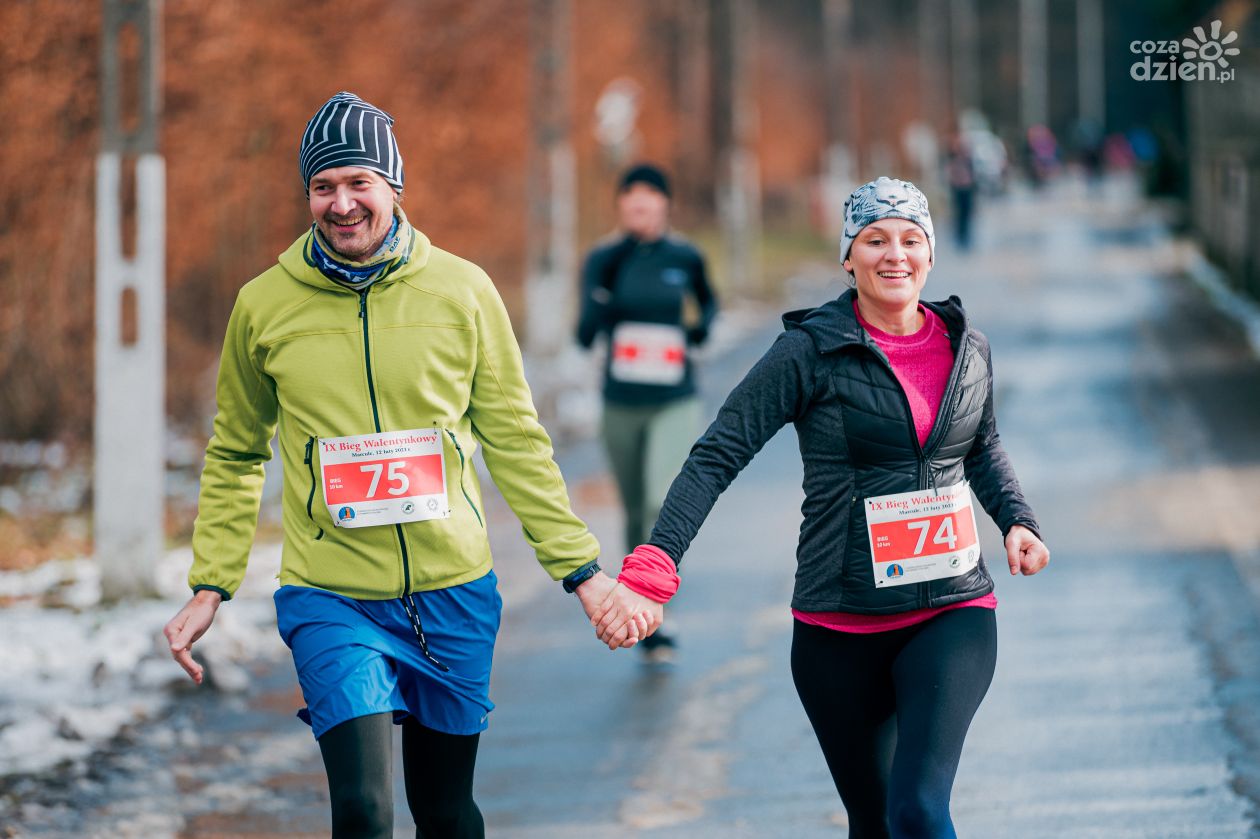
[(295, 261), (834, 326)]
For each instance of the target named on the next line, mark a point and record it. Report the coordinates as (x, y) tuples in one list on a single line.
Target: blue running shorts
[(360, 657)]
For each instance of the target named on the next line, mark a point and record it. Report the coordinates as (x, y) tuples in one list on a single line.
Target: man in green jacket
[(383, 362)]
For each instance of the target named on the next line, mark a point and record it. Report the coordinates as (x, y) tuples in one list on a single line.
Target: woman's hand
[(625, 618), (187, 626), (1025, 553)]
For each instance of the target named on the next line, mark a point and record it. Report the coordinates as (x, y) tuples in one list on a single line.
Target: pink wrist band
[(649, 571)]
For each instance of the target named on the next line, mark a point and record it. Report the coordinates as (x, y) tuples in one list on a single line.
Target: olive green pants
[(647, 445)]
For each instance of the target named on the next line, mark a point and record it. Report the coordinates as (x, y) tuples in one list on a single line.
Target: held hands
[(633, 609), (621, 618), (1025, 553), (625, 618), (187, 626)]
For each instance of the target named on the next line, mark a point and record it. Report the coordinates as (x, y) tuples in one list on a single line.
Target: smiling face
[(890, 260), (354, 209)]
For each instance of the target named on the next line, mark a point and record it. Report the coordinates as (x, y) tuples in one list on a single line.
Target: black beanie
[(645, 173), (346, 131)]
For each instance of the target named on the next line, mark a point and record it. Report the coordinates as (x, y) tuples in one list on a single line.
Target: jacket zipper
[(409, 606), (925, 477), (309, 460), (467, 497)]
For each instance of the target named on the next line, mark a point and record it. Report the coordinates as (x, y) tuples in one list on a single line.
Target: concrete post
[(840, 156), (1091, 74), (965, 48), (130, 351), (1034, 82), (735, 113), (551, 236), (130, 430)]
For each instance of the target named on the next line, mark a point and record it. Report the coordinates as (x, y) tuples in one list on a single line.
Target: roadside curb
[(1215, 283)]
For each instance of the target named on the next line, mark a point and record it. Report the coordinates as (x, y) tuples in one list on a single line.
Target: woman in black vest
[(894, 641)]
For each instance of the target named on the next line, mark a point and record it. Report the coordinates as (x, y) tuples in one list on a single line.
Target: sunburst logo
[(1210, 48)]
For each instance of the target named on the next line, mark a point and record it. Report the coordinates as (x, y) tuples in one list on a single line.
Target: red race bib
[(923, 535), (388, 478)]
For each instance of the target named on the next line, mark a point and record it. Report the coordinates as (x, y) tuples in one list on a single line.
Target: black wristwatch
[(580, 576)]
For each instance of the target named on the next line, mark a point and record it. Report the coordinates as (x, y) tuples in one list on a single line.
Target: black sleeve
[(706, 300), (775, 392), (989, 469), (599, 275)]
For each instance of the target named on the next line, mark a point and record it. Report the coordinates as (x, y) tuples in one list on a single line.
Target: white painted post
[(129, 447), (130, 427)]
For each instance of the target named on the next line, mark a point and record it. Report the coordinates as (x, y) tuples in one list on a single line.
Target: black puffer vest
[(827, 377)]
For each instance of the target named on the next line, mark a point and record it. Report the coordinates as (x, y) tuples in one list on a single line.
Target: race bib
[(648, 353), (923, 535), (389, 478)]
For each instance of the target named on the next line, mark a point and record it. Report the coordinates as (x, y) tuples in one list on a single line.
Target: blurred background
[(1134, 120)]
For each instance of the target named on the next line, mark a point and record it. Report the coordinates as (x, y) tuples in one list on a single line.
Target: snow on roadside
[(75, 672)]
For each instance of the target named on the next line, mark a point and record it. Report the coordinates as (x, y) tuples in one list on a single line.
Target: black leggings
[(891, 710), (437, 768)]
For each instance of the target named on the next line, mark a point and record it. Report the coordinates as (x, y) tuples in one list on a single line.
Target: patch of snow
[(76, 672)]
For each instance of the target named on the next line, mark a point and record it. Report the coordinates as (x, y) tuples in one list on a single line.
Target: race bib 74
[(923, 535)]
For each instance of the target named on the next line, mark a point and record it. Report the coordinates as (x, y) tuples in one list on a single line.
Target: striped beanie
[(347, 131), (885, 198)]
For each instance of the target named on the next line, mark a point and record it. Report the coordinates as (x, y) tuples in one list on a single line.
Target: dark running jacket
[(826, 376), (624, 279)]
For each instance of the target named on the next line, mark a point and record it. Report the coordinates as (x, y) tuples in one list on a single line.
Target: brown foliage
[(240, 79), (49, 114)]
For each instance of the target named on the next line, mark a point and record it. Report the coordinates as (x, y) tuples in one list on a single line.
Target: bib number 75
[(396, 475)]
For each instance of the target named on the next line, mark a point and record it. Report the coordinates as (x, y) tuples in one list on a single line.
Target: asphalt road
[(1127, 696)]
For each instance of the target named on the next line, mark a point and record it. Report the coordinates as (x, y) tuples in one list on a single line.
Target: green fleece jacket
[(429, 346)]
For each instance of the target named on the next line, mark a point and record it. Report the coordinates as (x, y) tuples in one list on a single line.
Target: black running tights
[(891, 711), (437, 768)]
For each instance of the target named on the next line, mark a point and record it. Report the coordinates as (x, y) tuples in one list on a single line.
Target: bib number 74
[(944, 533), (921, 536)]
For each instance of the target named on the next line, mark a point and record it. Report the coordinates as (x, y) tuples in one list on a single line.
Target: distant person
[(895, 638), (1042, 151), (1087, 141), (366, 336), (1118, 156), (960, 173), (636, 288)]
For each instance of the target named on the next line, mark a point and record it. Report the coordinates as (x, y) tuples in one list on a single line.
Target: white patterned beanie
[(885, 198), (346, 131)]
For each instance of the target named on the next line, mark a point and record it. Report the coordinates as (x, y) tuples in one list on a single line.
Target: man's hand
[(625, 618), (187, 626), (593, 591), (1025, 553)]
